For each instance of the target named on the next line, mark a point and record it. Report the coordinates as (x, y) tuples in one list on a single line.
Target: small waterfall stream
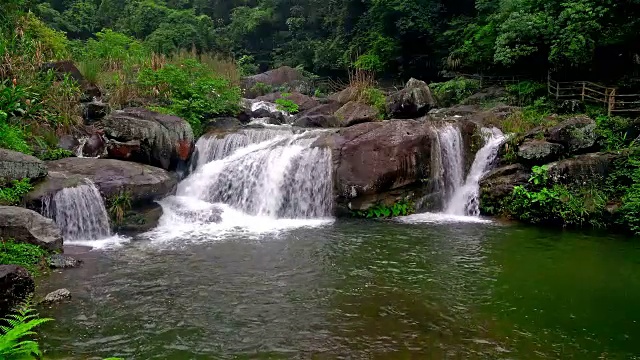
[(451, 149), (79, 212)]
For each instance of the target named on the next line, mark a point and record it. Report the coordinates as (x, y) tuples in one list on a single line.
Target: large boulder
[(282, 76), (304, 102), (591, 169), (353, 113), (328, 108), (538, 152), (67, 68), (578, 134), (379, 157), (345, 95), (18, 166), (15, 286), (27, 226), (317, 121), (143, 183), (164, 140), (222, 125), (411, 102)]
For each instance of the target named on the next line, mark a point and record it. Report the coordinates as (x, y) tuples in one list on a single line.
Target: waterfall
[(209, 148), (283, 177), (465, 198), (79, 212), (451, 173)]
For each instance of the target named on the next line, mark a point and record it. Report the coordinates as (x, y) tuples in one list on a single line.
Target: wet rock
[(196, 211), (578, 134), (94, 111), (328, 108), (538, 152), (60, 261), (66, 67), (499, 183), (18, 166), (68, 142), (317, 121), (16, 284), (165, 140), (123, 150), (588, 169), (142, 220), (411, 102), (304, 102), (353, 113), (94, 146), (143, 183), (376, 157), (222, 124), (27, 226), (57, 296)]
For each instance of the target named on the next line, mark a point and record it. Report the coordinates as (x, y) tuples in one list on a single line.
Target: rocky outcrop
[(317, 121), (222, 125), (304, 102), (27, 226), (67, 68), (18, 166), (344, 96), (411, 102), (95, 145), (539, 152), (15, 286), (498, 185), (143, 183), (353, 113), (587, 169), (141, 220), (328, 108), (374, 160), (150, 137), (578, 134), (282, 76), (94, 111)]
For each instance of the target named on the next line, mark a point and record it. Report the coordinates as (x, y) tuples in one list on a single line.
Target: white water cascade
[(79, 212), (283, 177), (464, 201), (450, 147)]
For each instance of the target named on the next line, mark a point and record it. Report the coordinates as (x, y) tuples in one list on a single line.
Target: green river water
[(354, 290)]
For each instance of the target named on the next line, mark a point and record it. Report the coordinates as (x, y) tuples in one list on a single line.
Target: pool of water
[(350, 289)]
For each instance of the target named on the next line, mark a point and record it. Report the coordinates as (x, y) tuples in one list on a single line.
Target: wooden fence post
[(583, 88), (612, 101)]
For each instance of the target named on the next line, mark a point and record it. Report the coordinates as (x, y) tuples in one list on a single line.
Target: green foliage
[(247, 66), (119, 205), (400, 208), (454, 91), (261, 88), (368, 62), (114, 50), (376, 98), (525, 92), (287, 105), (16, 337), (28, 256), (189, 90), (613, 132), (528, 118), (12, 195), (12, 137), (55, 154)]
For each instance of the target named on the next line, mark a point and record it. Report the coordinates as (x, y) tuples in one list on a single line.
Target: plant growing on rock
[(400, 208), (287, 105), (119, 205), (28, 256), (55, 154), (12, 195)]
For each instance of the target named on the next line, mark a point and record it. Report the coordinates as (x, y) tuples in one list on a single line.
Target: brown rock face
[(373, 158), (411, 102), (66, 67), (353, 113), (27, 226)]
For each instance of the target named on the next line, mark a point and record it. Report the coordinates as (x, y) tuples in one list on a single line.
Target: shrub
[(12, 137), (247, 65), (613, 132), (15, 342), (12, 195), (26, 255), (454, 91), (377, 99), (525, 92), (119, 205), (55, 154), (400, 208), (287, 105)]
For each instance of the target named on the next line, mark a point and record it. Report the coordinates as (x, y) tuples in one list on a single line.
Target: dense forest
[(580, 38)]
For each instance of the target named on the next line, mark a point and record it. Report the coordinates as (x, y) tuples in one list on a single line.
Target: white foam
[(111, 242), (440, 218)]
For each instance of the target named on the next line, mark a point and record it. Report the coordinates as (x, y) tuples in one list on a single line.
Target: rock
[(27, 226), (304, 102), (222, 124), (572, 107), (142, 220), (317, 121), (377, 157), (57, 296), (587, 169), (282, 76), (492, 93), (538, 152), (18, 166), (16, 284), (411, 102), (59, 261), (143, 183), (354, 113), (123, 150), (66, 67), (95, 146), (578, 134), (68, 142), (498, 184), (345, 96), (165, 140), (329, 108), (94, 111)]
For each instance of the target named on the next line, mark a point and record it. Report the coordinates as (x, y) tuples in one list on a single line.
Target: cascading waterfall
[(465, 198), (79, 212), (451, 147), (280, 178), (213, 148)]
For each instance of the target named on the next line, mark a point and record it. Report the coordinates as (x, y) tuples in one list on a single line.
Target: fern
[(14, 342)]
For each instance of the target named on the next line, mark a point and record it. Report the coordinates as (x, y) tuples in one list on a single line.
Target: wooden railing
[(595, 93)]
